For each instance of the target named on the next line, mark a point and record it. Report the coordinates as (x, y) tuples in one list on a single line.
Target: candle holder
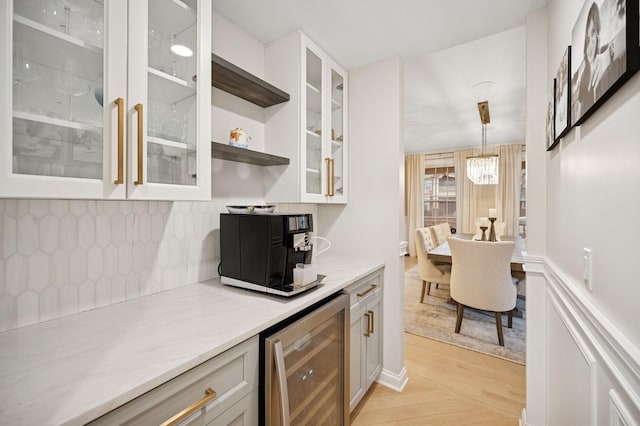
[(484, 235), (492, 230)]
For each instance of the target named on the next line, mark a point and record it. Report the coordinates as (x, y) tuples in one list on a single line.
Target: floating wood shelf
[(241, 155), (232, 79)]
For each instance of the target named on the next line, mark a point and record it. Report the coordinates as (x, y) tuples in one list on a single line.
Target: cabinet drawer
[(365, 289), (231, 375), (243, 413)]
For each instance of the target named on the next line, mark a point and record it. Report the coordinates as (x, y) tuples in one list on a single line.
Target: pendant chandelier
[(483, 169)]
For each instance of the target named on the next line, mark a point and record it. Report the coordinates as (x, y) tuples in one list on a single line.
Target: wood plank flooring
[(447, 386)]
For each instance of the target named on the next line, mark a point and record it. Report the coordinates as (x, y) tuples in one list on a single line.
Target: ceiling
[(447, 46)]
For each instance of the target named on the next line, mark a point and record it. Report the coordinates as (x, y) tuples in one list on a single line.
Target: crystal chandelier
[(483, 169)]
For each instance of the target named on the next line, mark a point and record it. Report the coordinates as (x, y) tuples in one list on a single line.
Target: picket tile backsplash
[(59, 257)]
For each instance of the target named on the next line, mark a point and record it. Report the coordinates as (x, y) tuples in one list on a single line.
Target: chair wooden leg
[(510, 318), (424, 288), (429, 288), (460, 311), (499, 327), (437, 285)]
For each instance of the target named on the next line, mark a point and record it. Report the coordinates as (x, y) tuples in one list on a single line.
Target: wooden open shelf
[(232, 79), (241, 155)]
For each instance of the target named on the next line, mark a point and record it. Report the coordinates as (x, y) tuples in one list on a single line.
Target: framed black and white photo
[(603, 54), (563, 96), (551, 119)]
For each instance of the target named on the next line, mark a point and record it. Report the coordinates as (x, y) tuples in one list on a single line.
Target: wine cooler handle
[(282, 383)]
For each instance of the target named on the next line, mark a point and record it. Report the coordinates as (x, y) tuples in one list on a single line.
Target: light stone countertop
[(74, 369)]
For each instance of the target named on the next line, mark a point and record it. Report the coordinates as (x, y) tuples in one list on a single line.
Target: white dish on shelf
[(264, 209), (240, 209), (251, 209)]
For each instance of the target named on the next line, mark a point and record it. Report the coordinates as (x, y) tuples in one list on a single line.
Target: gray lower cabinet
[(243, 413), (232, 375), (366, 334)]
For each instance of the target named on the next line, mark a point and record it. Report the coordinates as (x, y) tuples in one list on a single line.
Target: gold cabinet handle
[(209, 395), (120, 179), (371, 316), (333, 177), (328, 162), (139, 111), (330, 177), (368, 332), (367, 291)]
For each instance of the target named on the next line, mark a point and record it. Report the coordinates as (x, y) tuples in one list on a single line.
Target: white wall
[(594, 180), (232, 182), (536, 211), (228, 111), (592, 340), (369, 224)]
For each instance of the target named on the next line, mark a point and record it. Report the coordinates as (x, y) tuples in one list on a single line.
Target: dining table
[(442, 253)]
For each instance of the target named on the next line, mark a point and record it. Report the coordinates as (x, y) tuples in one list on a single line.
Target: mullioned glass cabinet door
[(72, 117), (170, 94), (60, 131)]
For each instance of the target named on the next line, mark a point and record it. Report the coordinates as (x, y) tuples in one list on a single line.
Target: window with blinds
[(439, 196)]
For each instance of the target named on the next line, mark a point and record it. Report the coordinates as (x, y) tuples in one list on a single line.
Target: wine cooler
[(305, 363)]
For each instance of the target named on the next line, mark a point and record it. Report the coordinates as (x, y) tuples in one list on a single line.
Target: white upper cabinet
[(311, 129), (105, 99)]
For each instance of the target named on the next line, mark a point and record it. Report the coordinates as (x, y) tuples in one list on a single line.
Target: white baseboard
[(394, 381), (523, 418)]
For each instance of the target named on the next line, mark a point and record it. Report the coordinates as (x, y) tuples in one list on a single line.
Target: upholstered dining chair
[(481, 279), (437, 235), (428, 271), (446, 230)]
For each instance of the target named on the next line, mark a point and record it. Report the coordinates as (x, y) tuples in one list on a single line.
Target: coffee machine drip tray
[(288, 291)]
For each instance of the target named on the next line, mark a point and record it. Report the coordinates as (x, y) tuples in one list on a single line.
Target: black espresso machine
[(260, 251)]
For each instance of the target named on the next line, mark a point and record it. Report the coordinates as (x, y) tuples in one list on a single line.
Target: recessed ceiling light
[(181, 50)]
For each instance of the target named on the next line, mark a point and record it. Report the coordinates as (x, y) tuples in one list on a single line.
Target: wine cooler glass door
[(308, 369)]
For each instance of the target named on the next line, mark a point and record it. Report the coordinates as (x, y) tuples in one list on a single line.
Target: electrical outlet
[(587, 273)]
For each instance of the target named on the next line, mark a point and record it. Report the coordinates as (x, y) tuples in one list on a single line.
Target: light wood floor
[(447, 386)]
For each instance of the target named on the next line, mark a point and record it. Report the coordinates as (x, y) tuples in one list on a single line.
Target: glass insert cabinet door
[(314, 124), (338, 138), (324, 136), (77, 122)]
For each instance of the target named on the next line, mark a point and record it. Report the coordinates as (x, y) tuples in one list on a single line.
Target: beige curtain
[(413, 196), (466, 194), (510, 164)]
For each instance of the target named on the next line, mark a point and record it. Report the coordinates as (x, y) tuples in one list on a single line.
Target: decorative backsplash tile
[(59, 257)]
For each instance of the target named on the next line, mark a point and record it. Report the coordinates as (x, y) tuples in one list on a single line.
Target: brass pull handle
[(139, 111), (209, 395), (371, 330), (333, 177), (368, 332), (120, 179), (328, 162), (367, 291)]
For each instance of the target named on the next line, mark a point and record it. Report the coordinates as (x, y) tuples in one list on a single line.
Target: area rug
[(435, 318)]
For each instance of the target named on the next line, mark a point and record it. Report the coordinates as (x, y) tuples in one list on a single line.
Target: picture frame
[(551, 119), (563, 96), (604, 53)]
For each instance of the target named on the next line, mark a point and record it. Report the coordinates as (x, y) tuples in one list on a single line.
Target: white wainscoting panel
[(593, 370)]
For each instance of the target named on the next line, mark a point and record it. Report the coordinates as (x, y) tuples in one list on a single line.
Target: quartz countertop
[(74, 369)]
